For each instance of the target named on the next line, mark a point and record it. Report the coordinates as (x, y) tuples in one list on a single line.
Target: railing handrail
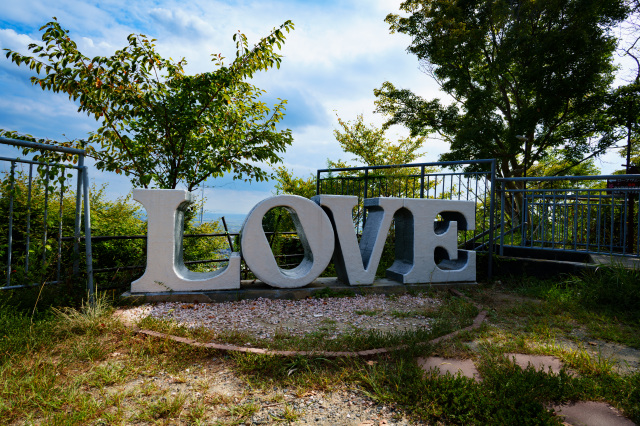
[(38, 145), (391, 166), (552, 178)]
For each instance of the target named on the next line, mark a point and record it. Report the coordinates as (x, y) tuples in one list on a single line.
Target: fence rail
[(576, 214), (584, 216), (30, 228)]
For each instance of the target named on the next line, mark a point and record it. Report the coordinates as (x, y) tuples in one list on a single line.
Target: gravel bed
[(263, 318)]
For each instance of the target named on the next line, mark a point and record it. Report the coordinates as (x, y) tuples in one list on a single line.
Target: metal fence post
[(318, 182), (503, 188), (364, 197), (87, 235), (76, 227), (10, 236), (491, 217)]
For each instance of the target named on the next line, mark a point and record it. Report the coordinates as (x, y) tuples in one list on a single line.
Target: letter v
[(356, 264)]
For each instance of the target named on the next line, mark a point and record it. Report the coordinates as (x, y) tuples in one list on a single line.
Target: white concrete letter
[(420, 240), (315, 233), (356, 264), (166, 270)]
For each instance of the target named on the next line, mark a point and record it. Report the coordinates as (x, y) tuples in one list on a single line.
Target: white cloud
[(338, 53), (223, 200)]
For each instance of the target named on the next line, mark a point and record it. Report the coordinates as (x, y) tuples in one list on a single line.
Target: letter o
[(315, 233)]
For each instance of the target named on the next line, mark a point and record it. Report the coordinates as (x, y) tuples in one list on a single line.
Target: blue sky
[(338, 53)]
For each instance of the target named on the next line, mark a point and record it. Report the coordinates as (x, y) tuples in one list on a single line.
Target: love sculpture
[(325, 227)]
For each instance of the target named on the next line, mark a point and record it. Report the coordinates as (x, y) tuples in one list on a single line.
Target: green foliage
[(625, 111), (507, 395), (538, 71), (287, 183), (372, 148), (610, 288), (205, 248), (158, 125), (120, 217)]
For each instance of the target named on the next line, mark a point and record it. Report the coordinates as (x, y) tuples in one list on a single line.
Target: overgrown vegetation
[(49, 206), (82, 366)]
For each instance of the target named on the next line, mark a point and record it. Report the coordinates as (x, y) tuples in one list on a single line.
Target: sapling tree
[(158, 125)]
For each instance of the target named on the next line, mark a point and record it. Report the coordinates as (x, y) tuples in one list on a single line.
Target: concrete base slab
[(254, 289), (538, 362), (466, 367), (591, 413), (624, 261)]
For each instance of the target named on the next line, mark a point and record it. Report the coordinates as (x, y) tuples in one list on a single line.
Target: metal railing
[(423, 180), (32, 229), (573, 214)]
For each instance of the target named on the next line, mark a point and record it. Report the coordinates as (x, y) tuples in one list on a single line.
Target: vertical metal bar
[(10, 236), (523, 224), (575, 223), (513, 214), (46, 208), (553, 222), (599, 221), (413, 187), (502, 201), (543, 233), (564, 222), (491, 214), (87, 235), (28, 241), (612, 222), (484, 206), (318, 182), (59, 261), (226, 231), (421, 181), (588, 220), (638, 226), (366, 182), (76, 225), (624, 222)]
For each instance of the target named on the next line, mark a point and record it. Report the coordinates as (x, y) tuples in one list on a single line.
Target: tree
[(372, 148), (158, 125), (526, 77), (287, 183)]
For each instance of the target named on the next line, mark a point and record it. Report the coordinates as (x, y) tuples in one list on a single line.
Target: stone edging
[(329, 354)]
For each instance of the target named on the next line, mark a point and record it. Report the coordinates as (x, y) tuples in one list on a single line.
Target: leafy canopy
[(158, 125), (371, 147), (537, 71)]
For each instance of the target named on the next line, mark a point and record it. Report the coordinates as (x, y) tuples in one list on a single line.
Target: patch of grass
[(424, 313), (40, 383), (242, 412), (288, 415), (164, 407), (368, 312), (581, 301)]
